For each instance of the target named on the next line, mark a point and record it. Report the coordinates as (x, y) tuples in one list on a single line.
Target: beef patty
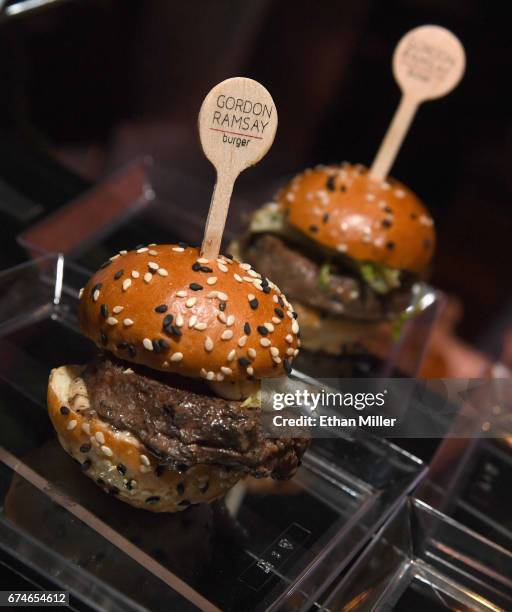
[(297, 276), (184, 427)]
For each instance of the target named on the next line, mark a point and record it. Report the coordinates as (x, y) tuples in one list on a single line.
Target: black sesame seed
[(156, 346), (264, 282), (122, 346), (113, 490), (129, 485), (64, 410), (105, 264), (325, 217), (247, 329), (244, 362), (205, 269), (86, 465), (121, 469), (96, 287), (164, 345), (172, 330), (100, 481), (413, 216), (159, 470), (196, 266), (118, 274), (254, 303), (386, 223), (167, 320), (85, 448), (184, 502), (279, 313), (162, 308), (280, 301), (132, 350), (140, 246), (263, 330), (228, 255), (390, 245), (183, 245), (266, 289), (388, 210), (313, 228), (343, 188), (195, 287), (294, 314), (222, 306), (103, 338), (180, 488), (104, 311), (154, 499), (287, 365), (330, 184), (204, 488)]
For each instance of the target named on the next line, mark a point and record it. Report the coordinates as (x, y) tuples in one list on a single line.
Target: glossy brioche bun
[(117, 461), (343, 209), (167, 308)]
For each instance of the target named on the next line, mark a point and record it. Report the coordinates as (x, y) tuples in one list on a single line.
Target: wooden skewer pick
[(428, 63), (237, 125)]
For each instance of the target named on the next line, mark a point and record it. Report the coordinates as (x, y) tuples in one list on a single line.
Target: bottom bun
[(118, 462)]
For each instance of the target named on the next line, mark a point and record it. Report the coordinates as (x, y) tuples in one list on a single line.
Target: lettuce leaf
[(380, 278)]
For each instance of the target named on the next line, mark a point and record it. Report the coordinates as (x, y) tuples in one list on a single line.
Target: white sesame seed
[(295, 352), (222, 267), (114, 257), (274, 351), (222, 296), (400, 193), (269, 326), (227, 334), (203, 372), (211, 280), (144, 469), (117, 309), (295, 326), (230, 320), (144, 460), (276, 320), (353, 295), (147, 344), (165, 364), (370, 197), (253, 273), (275, 299), (219, 377), (127, 322), (142, 250), (265, 342), (192, 321), (177, 357), (252, 353), (208, 344), (127, 284), (226, 371), (222, 317), (245, 266), (179, 321), (203, 260), (248, 279), (212, 294), (181, 293), (242, 341), (250, 370), (200, 326), (71, 425), (344, 226), (81, 292), (289, 338), (290, 351), (210, 375), (250, 297), (178, 249), (162, 272), (342, 248), (135, 274), (111, 321), (86, 428), (147, 277), (100, 437), (153, 252), (123, 252), (107, 451), (96, 295), (231, 355), (237, 277), (153, 265), (190, 302)]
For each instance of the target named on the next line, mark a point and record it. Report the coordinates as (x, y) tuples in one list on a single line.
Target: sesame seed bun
[(117, 461), (343, 209), (165, 307)]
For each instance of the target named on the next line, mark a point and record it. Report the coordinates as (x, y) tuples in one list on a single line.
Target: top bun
[(343, 209), (165, 307)]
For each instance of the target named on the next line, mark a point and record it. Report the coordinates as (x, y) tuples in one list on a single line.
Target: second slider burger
[(166, 415)]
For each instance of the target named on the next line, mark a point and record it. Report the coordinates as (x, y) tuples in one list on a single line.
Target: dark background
[(89, 85)]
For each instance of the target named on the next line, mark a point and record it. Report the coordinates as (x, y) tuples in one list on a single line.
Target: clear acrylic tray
[(144, 203), (268, 546), (424, 560)]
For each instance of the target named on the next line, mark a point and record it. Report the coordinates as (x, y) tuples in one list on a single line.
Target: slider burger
[(345, 248), (167, 415)]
